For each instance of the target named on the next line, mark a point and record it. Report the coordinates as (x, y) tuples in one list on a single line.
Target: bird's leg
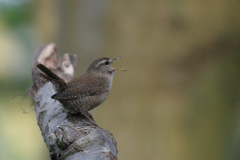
[(90, 119)]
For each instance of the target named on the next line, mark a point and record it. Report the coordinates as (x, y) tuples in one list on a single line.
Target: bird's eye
[(107, 63)]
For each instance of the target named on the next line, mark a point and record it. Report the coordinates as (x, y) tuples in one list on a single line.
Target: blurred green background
[(179, 99)]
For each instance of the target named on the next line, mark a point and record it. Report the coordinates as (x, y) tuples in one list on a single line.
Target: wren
[(85, 92)]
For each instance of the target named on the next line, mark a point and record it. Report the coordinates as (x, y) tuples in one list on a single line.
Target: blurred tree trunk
[(184, 64), (76, 27), (179, 99)]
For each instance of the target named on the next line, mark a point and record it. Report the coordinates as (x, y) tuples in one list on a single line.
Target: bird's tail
[(57, 82)]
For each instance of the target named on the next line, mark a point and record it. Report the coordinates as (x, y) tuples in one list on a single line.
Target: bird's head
[(103, 66)]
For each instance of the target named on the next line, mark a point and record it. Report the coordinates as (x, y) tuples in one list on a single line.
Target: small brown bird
[(85, 92)]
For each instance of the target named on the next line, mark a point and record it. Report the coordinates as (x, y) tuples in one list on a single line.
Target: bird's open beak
[(117, 58), (117, 69)]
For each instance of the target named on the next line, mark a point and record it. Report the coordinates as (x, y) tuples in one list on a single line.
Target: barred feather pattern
[(85, 92), (84, 103), (57, 82)]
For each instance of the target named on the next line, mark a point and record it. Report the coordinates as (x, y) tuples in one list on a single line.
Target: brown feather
[(57, 82)]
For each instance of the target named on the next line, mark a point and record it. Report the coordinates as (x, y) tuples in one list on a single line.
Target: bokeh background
[(179, 99)]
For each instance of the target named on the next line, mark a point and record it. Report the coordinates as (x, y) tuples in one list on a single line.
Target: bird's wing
[(75, 91)]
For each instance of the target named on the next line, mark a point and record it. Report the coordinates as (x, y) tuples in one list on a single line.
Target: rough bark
[(66, 136)]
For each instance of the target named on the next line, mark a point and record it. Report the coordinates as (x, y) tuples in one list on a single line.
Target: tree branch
[(66, 136)]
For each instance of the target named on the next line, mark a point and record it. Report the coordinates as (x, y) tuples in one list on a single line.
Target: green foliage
[(16, 15)]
